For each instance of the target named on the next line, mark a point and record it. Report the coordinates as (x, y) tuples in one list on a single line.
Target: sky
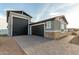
[(42, 11)]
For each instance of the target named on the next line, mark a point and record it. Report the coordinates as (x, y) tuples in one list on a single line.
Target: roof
[(17, 11), (62, 16), (42, 21)]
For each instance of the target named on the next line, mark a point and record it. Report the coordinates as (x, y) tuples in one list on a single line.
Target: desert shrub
[(3, 35), (73, 33)]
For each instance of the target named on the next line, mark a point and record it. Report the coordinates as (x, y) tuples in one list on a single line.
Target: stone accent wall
[(56, 35), (49, 35)]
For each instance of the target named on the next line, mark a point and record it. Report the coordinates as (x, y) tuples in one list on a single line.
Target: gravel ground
[(35, 45), (8, 46)]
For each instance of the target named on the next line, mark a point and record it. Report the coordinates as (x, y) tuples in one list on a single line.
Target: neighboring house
[(73, 29), (3, 31), (19, 23), (70, 29)]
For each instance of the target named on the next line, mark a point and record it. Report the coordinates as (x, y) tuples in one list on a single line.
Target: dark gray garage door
[(20, 26), (38, 30)]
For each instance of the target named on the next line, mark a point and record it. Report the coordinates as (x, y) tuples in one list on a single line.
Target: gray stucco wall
[(52, 24), (56, 25)]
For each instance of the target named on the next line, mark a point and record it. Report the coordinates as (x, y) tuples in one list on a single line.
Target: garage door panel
[(20, 26), (38, 30)]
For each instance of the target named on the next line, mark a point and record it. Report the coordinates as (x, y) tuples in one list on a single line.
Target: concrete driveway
[(35, 45), (30, 41)]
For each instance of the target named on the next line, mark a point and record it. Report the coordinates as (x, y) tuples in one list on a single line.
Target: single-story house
[(19, 23), (73, 29), (53, 28)]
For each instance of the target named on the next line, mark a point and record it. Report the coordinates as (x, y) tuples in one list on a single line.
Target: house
[(71, 29), (19, 23), (52, 28)]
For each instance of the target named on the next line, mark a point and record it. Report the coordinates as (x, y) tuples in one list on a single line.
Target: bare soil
[(75, 40), (9, 46)]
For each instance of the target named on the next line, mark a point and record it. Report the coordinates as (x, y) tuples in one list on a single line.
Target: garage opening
[(38, 30), (20, 26)]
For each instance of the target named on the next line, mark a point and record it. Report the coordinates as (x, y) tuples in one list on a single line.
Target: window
[(48, 25), (62, 27)]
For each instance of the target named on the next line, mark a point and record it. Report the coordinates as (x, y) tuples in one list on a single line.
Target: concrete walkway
[(35, 45)]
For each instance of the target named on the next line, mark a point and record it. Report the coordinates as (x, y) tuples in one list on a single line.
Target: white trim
[(20, 15), (52, 31), (48, 25), (11, 20), (30, 30), (44, 29), (37, 24)]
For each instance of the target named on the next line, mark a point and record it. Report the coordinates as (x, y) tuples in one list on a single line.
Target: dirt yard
[(75, 40), (8, 46)]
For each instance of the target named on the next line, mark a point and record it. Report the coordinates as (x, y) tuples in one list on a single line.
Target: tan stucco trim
[(56, 35)]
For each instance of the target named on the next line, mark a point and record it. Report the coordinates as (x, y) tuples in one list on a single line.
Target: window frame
[(62, 26), (48, 25)]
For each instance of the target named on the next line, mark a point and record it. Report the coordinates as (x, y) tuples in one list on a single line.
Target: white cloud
[(72, 15), (54, 14), (12, 9), (3, 23), (3, 17), (42, 11)]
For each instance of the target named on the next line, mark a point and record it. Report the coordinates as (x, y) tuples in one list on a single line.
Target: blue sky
[(41, 11), (35, 10)]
